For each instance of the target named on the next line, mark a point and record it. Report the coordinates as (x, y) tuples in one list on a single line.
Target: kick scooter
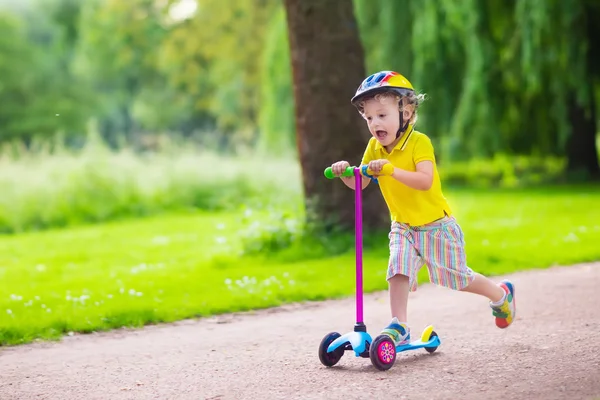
[(382, 350)]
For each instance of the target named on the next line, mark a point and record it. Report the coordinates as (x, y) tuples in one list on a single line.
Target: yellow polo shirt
[(408, 205)]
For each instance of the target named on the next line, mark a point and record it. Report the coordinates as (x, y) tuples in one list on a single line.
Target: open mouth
[(381, 134)]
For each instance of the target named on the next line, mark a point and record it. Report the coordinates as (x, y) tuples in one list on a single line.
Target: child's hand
[(339, 167), (377, 165)]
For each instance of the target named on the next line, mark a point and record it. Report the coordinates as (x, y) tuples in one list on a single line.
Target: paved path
[(551, 352)]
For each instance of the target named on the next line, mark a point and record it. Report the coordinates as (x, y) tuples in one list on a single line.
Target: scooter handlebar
[(330, 175), (387, 170)]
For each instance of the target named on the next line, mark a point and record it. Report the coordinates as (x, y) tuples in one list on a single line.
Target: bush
[(504, 171), (51, 189), (280, 233)]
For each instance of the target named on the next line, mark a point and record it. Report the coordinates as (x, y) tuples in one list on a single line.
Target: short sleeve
[(368, 156), (423, 150)]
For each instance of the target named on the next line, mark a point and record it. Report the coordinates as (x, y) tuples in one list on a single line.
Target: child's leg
[(398, 288), (501, 297), (403, 266), (443, 248), (485, 287)]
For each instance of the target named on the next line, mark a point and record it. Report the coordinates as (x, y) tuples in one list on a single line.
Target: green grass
[(170, 267)]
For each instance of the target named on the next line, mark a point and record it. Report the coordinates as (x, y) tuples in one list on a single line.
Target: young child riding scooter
[(423, 229)]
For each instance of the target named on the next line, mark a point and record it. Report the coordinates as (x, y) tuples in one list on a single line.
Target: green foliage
[(216, 56), (284, 231), (386, 32), (95, 184), (508, 72), (36, 92), (186, 265), (276, 115), (504, 171), (500, 76), (117, 56)]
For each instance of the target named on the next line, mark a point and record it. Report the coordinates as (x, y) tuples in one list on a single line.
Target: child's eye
[(369, 118), (381, 115)]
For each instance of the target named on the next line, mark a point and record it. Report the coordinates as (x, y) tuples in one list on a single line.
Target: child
[(423, 229)]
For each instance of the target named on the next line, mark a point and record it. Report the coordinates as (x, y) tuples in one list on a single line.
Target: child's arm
[(339, 167), (349, 181), (421, 179)]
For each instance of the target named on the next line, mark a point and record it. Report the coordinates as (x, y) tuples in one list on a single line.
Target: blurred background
[(112, 110), (504, 77)]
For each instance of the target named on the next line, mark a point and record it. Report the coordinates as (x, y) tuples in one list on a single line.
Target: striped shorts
[(439, 245)]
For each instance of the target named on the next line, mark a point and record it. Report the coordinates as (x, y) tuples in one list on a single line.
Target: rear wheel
[(432, 349)]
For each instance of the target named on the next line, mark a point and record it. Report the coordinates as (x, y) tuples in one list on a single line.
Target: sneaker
[(505, 313), (398, 332)]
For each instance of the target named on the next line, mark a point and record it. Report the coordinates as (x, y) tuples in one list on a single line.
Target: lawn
[(170, 267)]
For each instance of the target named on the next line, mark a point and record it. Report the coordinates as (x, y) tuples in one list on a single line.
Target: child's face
[(383, 119)]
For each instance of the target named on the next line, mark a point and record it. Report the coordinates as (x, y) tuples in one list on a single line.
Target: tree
[(117, 53), (215, 55), (581, 146), (38, 95), (276, 113), (327, 67), (513, 77)]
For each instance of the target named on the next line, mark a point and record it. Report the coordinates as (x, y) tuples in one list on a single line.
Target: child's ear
[(407, 112)]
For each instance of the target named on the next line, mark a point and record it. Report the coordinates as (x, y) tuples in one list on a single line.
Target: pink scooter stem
[(358, 245)]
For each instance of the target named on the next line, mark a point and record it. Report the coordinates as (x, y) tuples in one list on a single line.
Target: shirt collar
[(401, 145)]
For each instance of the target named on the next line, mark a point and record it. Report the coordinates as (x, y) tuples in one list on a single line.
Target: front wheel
[(329, 359), (382, 352)]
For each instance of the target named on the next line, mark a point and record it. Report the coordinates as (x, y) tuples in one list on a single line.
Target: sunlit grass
[(182, 265)]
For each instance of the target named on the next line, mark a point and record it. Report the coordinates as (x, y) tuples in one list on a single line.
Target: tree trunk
[(327, 66), (582, 157)]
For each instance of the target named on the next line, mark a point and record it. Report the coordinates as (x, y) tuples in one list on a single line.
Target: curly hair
[(413, 99)]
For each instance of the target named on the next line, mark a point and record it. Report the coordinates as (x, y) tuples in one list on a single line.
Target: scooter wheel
[(432, 349), (329, 359), (382, 352)]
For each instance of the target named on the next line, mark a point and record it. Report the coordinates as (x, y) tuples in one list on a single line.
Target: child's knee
[(399, 279)]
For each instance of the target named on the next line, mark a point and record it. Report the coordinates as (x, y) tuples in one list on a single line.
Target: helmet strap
[(402, 128)]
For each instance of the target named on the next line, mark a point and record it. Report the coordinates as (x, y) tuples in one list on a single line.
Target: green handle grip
[(329, 173)]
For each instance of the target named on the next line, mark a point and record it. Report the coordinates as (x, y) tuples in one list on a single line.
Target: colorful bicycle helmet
[(383, 81)]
